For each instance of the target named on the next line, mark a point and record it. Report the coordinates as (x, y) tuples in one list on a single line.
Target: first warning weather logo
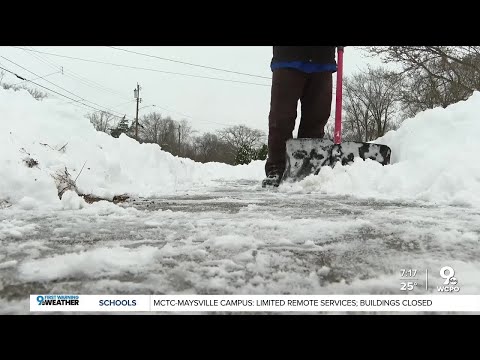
[(58, 300)]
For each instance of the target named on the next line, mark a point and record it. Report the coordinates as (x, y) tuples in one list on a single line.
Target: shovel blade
[(305, 157), (348, 150)]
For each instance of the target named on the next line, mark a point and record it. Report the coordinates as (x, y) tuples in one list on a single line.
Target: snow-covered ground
[(236, 239), (209, 228)]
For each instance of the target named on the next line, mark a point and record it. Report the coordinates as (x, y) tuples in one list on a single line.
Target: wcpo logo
[(451, 283), (62, 300)]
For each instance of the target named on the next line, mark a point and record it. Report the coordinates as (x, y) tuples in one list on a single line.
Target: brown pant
[(288, 87)]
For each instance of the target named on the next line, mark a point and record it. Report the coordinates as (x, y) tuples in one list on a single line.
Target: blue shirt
[(306, 67)]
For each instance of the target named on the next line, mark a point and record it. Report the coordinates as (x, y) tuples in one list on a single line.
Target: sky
[(208, 104)]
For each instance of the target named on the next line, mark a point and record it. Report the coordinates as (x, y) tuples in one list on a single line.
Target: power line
[(191, 64), (142, 68), (169, 110), (37, 78), (55, 92), (78, 77), (188, 116), (113, 107), (80, 97), (94, 84), (45, 61), (124, 103), (79, 103)]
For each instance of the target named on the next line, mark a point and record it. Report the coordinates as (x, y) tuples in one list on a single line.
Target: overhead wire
[(143, 68), (71, 74), (36, 52), (60, 87), (191, 64), (56, 92)]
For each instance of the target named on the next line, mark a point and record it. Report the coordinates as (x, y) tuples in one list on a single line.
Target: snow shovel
[(306, 156)]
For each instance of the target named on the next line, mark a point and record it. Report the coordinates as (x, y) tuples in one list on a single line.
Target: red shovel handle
[(338, 103)]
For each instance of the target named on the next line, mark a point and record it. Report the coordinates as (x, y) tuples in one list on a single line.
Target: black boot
[(274, 177)]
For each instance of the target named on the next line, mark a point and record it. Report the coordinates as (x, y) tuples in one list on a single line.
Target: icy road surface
[(235, 239)]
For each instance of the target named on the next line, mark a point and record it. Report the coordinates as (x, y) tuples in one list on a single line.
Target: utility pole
[(179, 139), (136, 94)]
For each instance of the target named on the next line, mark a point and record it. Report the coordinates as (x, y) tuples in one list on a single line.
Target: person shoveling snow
[(304, 73)]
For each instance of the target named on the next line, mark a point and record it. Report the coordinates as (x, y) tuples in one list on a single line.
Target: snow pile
[(40, 140), (434, 158), (47, 147)]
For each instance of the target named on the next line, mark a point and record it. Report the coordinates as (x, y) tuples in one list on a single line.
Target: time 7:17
[(408, 273)]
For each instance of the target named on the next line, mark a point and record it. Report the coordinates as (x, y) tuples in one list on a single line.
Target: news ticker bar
[(254, 303)]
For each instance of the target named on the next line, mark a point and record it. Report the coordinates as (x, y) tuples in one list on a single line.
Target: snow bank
[(434, 158), (59, 138)]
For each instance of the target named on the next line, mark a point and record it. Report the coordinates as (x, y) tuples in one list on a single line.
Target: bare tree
[(370, 104), (184, 134), (210, 148), (207, 146), (151, 129), (357, 120), (171, 135), (101, 120), (433, 76), (241, 136)]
